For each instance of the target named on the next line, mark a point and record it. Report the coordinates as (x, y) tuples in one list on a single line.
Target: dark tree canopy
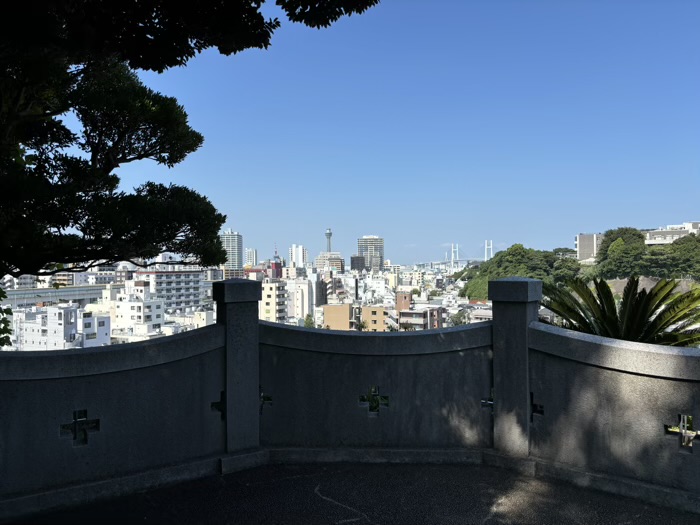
[(518, 261), (630, 236), (60, 204)]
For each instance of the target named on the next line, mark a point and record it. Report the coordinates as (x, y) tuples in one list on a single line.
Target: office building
[(371, 248)]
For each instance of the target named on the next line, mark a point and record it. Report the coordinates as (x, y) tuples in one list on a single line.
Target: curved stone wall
[(326, 388), (615, 407), (85, 415)]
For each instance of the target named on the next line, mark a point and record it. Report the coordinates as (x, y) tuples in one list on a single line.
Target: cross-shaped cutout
[(220, 405), (79, 428), (685, 432), (372, 400), (265, 399), (535, 409)]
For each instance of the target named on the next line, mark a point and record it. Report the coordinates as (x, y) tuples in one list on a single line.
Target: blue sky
[(430, 122)]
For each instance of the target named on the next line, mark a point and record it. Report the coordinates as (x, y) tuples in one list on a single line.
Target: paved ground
[(372, 494)]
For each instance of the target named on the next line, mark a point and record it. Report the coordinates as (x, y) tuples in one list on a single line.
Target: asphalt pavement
[(371, 494)]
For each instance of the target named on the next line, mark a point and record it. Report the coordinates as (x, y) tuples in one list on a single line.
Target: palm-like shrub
[(659, 315)]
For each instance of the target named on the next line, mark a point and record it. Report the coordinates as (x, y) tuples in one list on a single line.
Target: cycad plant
[(659, 315)]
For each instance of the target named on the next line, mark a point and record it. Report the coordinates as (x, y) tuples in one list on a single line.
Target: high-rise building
[(298, 256), (371, 248), (357, 262), (233, 244), (251, 257)]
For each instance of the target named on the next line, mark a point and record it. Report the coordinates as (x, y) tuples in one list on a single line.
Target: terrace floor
[(348, 493)]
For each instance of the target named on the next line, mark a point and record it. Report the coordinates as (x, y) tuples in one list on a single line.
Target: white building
[(298, 256), (251, 257), (179, 289), (193, 320), (670, 233), (330, 261), (233, 244), (587, 246), (135, 313), (273, 305), (300, 299), (61, 327)]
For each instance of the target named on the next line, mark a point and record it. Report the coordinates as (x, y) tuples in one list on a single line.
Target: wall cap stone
[(456, 339), (515, 290), (237, 291), (672, 362)]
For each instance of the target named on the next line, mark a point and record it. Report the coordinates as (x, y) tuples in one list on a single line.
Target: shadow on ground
[(371, 494)]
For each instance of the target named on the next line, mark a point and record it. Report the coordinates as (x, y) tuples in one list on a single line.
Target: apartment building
[(273, 305), (421, 318), (375, 318), (339, 317), (61, 327), (179, 289), (300, 298)]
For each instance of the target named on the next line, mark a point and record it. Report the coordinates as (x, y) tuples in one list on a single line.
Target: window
[(100, 323), (156, 326), (60, 316), (87, 325), (374, 321), (133, 308), (157, 307), (91, 336), (157, 316), (374, 312)]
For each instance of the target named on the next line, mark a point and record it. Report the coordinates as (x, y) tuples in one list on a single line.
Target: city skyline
[(520, 123)]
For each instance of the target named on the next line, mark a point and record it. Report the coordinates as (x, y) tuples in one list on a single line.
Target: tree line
[(622, 254)]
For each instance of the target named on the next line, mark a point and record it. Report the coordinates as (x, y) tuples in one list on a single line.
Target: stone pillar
[(515, 306), (237, 308)]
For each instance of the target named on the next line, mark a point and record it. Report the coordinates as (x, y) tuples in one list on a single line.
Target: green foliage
[(623, 259), (362, 326), (630, 237), (77, 59), (684, 255), (459, 318), (309, 321), (517, 261), (5, 326), (565, 269), (657, 316), (415, 291)]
